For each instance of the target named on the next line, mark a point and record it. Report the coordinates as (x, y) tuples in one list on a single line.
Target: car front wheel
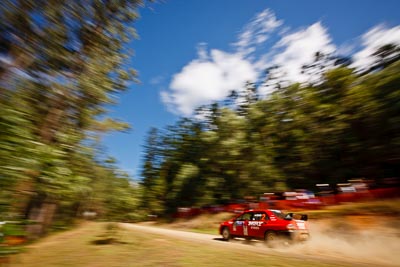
[(226, 235)]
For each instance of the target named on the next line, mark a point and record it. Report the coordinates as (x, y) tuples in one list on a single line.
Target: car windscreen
[(279, 214)]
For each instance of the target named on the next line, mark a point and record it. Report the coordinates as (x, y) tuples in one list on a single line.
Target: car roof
[(261, 210)]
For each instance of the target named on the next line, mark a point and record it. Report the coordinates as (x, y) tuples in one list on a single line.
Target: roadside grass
[(75, 248), (93, 244)]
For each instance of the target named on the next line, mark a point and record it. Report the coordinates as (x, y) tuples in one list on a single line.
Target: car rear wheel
[(226, 235), (271, 238)]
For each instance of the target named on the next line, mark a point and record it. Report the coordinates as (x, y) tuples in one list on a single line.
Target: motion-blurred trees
[(62, 64), (343, 125)]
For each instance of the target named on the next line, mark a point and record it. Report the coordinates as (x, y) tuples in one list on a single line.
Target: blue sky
[(193, 52)]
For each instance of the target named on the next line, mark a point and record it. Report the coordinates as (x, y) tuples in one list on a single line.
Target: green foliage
[(66, 63), (343, 125), (12, 229)]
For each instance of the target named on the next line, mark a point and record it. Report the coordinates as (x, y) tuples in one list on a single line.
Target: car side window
[(262, 216), (239, 218), (245, 216)]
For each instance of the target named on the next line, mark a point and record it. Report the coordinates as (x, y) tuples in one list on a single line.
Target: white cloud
[(212, 75), (257, 31), (202, 51), (347, 48), (157, 80), (371, 41), (207, 79), (297, 49)]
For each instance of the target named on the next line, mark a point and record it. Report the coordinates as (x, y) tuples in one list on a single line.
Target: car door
[(257, 224), (240, 225), (272, 222)]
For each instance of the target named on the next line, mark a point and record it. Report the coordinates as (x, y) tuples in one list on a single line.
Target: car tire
[(226, 234), (271, 239)]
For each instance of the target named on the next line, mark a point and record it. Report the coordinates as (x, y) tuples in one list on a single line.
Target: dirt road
[(367, 248)]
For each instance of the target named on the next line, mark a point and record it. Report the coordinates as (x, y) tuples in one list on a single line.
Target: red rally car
[(268, 225)]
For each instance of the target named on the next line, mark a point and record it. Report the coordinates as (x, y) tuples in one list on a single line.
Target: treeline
[(62, 64), (345, 124)]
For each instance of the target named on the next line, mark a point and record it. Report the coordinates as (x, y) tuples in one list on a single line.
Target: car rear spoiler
[(297, 216)]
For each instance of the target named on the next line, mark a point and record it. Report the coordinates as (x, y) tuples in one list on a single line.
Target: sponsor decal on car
[(255, 223)]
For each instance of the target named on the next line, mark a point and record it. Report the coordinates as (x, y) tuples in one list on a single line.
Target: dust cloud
[(378, 246)]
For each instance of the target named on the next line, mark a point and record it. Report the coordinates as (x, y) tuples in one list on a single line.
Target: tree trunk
[(41, 214)]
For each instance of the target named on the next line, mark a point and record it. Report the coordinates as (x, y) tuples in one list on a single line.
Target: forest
[(54, 102), (62, 65), (342, 125)]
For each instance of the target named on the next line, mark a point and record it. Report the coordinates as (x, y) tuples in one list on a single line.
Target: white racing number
[(245, 230)]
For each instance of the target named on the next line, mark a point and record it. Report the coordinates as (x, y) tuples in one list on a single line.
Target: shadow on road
[(237, 241), (220, 239)]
